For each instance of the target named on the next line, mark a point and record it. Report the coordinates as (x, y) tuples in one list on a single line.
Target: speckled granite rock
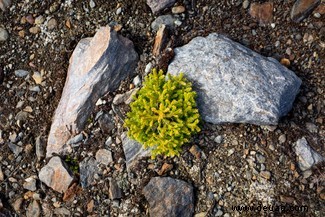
[(169, 197), (97, 66), (235, 84)]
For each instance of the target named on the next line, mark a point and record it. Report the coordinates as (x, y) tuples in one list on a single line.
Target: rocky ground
[(227, 165)]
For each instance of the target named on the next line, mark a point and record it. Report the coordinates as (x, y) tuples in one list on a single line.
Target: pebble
[(265, 174), (118, 11), (3, 34), (75, 139), (137, 81), (282, 139), (311, 127), (39, 20), (17, 204), (1, 175), (37, 77), (21, 73), (260, 158), (29, 18), (109, 141), (114, 190), (92, 4), (34, 209), (104, 156), (148, 68), (52, 24), (35, 30), (178, 9), (245, 4), (167, 20), (30, 184), (218, 139)]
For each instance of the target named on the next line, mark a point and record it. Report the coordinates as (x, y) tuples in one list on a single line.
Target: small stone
[(37, 77), (3, 34), (161, 40), (52, 24), (30, 19), (106, 123), (88, 168), (1, 175), (114, 190), (311, 127), (302, 9), (282, 139), (16, 149), (40, 148), (265, 174), (35, 30), (306, 174), (62, 211), (13, 137), (56, 175), (34, 209), (285, 62), (39, 20), (118, 11), (30, 184), (196, 151), (108, 141), (21, 73), (262, 12), (90, 206), (159, 5), (75, 139), (260, 158), (166, 167), (178, 9), (4, 4), (104, 156), (148, 68), (167, 20), (17, 204), (245, 4), (71, 192), (125, 97), (178, 22), (137, 81), (92, 4), (218, 139)]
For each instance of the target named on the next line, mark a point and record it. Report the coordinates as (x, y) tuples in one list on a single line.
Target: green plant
[(163, 114), (72, 163)]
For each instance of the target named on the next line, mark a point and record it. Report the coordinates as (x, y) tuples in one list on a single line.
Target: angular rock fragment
[(262, 12), (56, 175), (88, 169), (158, 5), (133, 151), (169, 197), (4, 4), (307, 157), (160, 40), (302, 9), (34, 209), (235, 84), (97, 66), (104, 156), (115, 191)]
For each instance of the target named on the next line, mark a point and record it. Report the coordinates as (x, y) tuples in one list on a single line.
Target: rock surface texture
[(307, 157), (158, 5), (169, 197), (133, 151), (56, 175), (235, 84), (97, 66)]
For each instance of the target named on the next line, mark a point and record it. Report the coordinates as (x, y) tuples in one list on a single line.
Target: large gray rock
[(307, 157), (169, 197), (133, 151), (97, 66), (56, 175), (235, 84)]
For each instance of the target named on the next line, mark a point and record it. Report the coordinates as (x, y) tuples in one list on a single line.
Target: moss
[(163, 114)]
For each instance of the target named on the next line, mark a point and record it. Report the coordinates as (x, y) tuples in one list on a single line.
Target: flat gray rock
[(133, 151), (158, 5), (307, 157), (88, 169), (235, 84), (56, 175), (97, 66), (169, 197)]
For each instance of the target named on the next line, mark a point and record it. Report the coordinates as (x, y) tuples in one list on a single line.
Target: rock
[(3, 34), (114, 190), (4, 4), (56, 175), (88, 169), (2, 177), (21, 73), (71, 192), (37, 77), (218, 139), (125, 97), (133, 151), (52, 24), (307, 157), (17, 204), (303, 8), (265, 174), (167, 20), (262, 12), (104, 156), (311, 127), (99, 64), (178, 9), (235, 84), (137, 81), (35, 30), (169, 197), (166, 167), (39, 20), (158, 5), (196, 151), (245, 4), (76, 139), (161, 40), (40, 148), (16, 149), (62, 212), (30, 184), (33, 209), (106, 122)]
